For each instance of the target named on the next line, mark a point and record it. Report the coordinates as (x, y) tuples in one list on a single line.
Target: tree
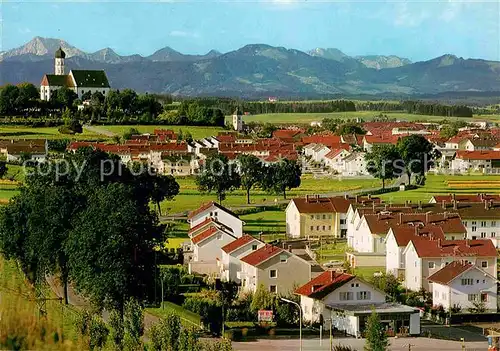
[(417, 154), (281, 176), (165, 187), (28, 95), (376, 337), (350, 128), (219, 176), (117, 328), (448, 131), (64, 97), (8, 98), (251, 172), (128, 134), (133, 323), (381, 162), (262, 299)]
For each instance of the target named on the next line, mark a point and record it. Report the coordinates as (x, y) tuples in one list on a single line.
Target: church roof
[(57, 80), (60, 53), (90, 78)]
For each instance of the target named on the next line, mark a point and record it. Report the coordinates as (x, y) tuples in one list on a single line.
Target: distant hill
[(259, 70)]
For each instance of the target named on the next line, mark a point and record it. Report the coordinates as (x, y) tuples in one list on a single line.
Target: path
[(400, 344), (98, 130)]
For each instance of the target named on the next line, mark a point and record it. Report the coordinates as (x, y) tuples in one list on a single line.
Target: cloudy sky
[(417, 30)]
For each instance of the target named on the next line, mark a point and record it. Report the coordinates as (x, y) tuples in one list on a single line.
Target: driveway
[(400, 344)]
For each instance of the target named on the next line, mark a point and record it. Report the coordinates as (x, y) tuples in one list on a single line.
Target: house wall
[(210, 249), (292, 220), (312, 309), (319, 224), (483, 229), (349, 324), (290, 274), (354, 286), (232, 262), (223, 217), (394, 260), (413, 269)]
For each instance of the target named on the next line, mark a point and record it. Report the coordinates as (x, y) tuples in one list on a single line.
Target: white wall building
[(220, 214), (230, 264)]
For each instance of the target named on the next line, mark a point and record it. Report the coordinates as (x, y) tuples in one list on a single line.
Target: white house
[(425, 257), (462, 284), (277, 270), (220, 213), (355, 165), (484, 161), (230, 264), (347, 301), (335, 159), (80, 81)]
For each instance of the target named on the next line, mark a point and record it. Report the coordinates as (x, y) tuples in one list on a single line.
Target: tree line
[(436, 109)]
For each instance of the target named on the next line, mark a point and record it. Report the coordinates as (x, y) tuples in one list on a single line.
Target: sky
[(417, 30)]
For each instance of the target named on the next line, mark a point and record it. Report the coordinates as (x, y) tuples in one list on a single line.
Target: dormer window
[(316, 287)]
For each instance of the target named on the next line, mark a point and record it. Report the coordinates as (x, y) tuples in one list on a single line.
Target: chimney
[(445, 215), (439, 242), (400, 218), (420, 204), (481, 197), (467, 243), (307, 198), (427, 217), (416, 230), (455, 204), (373, 206), (290, 248), (486, 207), (378, 216), (283, 245), (453, 197), (346, 196), (369, 196), (443, 204), (385, 207), (356, 198)]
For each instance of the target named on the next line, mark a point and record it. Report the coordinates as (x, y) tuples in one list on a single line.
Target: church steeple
[(59, 62)]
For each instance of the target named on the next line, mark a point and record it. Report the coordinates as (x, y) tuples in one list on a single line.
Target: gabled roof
[(324, 284), (202, 224), (455, 248), (466, 197), (449, 272), (339, 204), (261, 255), (478, 155), (57, 80), (240, 242), (205, 235), (90, 78), (206, 206), (404, 235)]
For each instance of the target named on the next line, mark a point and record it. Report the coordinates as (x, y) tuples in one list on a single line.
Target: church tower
[(59, 64), (237, 120)]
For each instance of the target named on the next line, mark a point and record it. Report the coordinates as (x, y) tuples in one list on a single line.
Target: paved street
[(401, 344)]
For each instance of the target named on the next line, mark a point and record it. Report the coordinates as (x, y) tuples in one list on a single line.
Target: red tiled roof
[(382, 139), (466, 197), (439, 248), (404, 235), (236, 244), (324, 284), (202, 224), (478, 155), (262, 254), (204, 235), (449, 272), (286, 133), (334, 153), (322, 139), (318, 204)]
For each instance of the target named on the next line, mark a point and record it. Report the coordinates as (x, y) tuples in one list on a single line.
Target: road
[(98, 130), (400, 344)]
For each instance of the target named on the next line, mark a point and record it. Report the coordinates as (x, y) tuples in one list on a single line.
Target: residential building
[(424, 257), (220, 213), (230, 264), (277, 270), (347, 301), (463, 285), (473, 161)]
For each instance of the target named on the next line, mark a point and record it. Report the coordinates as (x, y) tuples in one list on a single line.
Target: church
[(80, 81)]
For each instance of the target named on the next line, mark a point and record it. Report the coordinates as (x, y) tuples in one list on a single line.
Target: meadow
[(22, 132), (196, 132)]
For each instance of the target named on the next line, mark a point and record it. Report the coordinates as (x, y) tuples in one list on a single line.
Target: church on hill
[(80, 81)]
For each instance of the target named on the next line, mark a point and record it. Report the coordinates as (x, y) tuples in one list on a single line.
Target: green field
[(21, 132), (365, 115), (438, 184), (190, 198), (196, 132)]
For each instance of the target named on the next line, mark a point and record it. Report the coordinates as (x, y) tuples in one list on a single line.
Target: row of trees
[(221, 176), (412, 154), (436, 109), (87, 220), (193, 113)]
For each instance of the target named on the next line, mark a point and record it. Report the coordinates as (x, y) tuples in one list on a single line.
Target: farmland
[(21, 132), (196, 132)]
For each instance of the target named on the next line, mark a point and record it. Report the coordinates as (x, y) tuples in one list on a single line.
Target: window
[(431, 265), (473, 222), (318, 216), (474, 228), (324, 216), (273, 273), (324, 228), (484, 297), (272, 289), (363, 295), (484, 264), (254, 247), (312, 216), (473, 297), (342, 221), (329, 227), (465, 223), (346, 296), (483, 235), (493, 234), (483, 224), (355, 285), (493, 223), (283, 258), (215, 213), (467, 281), (312, 228), (317, 227)]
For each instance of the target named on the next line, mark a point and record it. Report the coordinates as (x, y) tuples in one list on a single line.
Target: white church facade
[(80, 81)]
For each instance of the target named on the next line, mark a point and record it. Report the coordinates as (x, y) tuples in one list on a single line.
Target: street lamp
[(300, 319)]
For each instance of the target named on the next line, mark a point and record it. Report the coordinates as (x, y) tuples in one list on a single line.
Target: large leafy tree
[(165, 187), (219, 176), (350, 128), (382, 162), (251, 172), (417, 154), (282, 176)]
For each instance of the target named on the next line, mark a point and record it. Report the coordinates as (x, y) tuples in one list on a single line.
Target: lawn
[(365, 115), (196, 132), (188, 318), (22, 132), (446, 184), (190, 198), (332, 252), (367, 272), (267, 222)]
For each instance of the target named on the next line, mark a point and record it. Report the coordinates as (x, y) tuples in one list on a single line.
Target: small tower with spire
[(237, 120), (59, 62)]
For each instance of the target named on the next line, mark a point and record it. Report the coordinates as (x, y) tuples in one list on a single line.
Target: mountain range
[(258, 70)]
